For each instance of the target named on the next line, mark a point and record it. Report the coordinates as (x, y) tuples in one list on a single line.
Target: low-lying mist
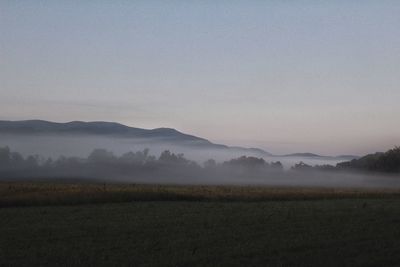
[(55, 146), (170, 168)]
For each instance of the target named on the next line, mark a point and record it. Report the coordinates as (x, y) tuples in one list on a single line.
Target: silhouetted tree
[(4, 155), (380, 162), (276, 166), (101, 156), (301, 166), (210, 164), (138, 158)]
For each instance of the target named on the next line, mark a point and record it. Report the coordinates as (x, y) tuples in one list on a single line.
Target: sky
[(286, 76)]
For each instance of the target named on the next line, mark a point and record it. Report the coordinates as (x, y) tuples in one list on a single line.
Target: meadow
[(70, 224)]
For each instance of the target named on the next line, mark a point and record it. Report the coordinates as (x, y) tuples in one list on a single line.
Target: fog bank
[(55, 146), (170, 168)]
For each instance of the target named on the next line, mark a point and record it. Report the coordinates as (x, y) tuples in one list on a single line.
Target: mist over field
[(114, 160), (112, 152), (200, 133), (55, 146)]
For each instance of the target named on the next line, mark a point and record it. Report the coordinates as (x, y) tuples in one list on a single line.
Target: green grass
[(286, 229)]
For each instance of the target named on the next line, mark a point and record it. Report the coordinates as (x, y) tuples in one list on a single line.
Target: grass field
[(44, 224), (13, 194)]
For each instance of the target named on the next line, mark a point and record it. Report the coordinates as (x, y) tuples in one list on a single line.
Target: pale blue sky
[(282, 75)]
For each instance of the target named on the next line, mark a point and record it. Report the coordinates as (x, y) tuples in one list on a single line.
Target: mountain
[(312, 155), (164, 135), (92, 128), (304, 155), (348, 157), (388, 161), (112, 129)]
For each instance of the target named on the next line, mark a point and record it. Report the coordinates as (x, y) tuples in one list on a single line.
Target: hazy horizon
[(73, 144), (282, 76)]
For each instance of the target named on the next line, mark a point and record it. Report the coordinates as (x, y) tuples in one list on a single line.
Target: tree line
[(101, 162), (385, 162)]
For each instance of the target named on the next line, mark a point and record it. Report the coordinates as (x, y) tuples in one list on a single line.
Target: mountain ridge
[(104, 128), (92, 127), (312, 155)]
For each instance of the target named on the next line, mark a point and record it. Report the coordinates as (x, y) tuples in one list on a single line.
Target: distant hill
[(303, 155), (348, 157), (312, 155), (388, 161), (95, 128), (112, 129)]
